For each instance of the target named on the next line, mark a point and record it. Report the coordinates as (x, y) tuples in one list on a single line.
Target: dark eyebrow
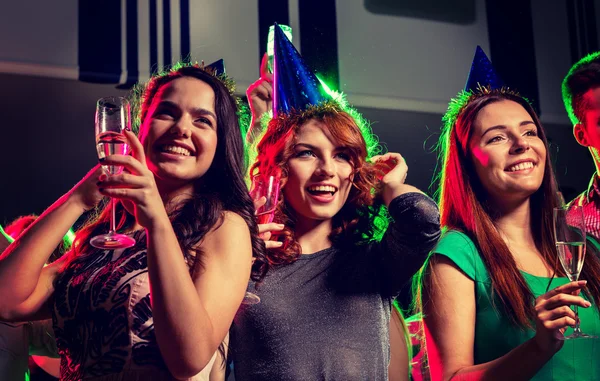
[(195, 111), (499, 127), (502, 127), (526, 122), (203, 111), (167, 104)]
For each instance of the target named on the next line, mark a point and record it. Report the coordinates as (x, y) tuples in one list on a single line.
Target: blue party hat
[(482, 73), (295, 86)]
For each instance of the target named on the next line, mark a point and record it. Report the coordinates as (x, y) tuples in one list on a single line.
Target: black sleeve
[(411, 235)]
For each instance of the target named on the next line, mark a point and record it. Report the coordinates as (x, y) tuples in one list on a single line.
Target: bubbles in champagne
[(571, 256), (111, 143)]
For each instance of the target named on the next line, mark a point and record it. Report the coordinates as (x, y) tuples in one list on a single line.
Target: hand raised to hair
[(393, 170)]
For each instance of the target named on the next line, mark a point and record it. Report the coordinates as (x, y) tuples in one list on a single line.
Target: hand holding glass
[(569, 235), (112, 117), (267, 187)]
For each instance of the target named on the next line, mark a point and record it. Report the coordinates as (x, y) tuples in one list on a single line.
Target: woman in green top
[(495, 299)]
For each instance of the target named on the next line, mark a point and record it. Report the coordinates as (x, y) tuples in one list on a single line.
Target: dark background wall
[(47, 142), (46, 128)]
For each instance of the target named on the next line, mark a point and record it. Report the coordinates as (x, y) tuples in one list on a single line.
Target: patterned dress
[(103, 319)]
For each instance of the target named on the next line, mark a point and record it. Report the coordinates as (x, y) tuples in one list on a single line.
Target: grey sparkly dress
[(326, 316)]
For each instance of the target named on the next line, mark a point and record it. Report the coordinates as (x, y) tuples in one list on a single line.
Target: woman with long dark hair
[(160, 309), (494, 296)]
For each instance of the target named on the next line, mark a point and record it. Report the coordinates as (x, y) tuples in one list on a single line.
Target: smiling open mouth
[(175, 150), (321, 190), (520, 166)]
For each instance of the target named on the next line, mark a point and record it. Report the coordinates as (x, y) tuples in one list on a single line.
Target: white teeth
[(177, 150), (521, 166), (322, 188)]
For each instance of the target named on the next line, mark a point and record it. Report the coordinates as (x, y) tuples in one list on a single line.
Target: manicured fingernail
[(280, 226), (587, 304), (583, 282), (278, 244)]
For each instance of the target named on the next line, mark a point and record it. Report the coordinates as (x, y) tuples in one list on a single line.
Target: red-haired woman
[(325, 305), (495, 299)]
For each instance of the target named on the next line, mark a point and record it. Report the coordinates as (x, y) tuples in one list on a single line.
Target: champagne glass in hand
[(266, 187), (112, 117), (569, 236)]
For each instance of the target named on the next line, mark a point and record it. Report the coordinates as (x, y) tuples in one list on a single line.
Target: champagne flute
[(113, 115), (268, 187), (569, 235)]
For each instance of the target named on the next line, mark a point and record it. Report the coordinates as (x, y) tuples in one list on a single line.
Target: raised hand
[(260, 99), (137, 186), (392, 169), (260, 93)]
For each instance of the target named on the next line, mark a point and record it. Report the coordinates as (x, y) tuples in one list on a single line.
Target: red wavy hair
[(354, 223)]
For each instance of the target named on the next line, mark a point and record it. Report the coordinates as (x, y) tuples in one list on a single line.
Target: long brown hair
[(464, 207), (222, 188), (360, 219)]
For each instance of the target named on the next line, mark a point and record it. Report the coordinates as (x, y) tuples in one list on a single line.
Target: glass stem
[(576, 329), (112, 216)]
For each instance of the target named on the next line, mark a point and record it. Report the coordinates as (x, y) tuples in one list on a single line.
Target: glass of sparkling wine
[(113, 115), (267, 187), (569, 235)]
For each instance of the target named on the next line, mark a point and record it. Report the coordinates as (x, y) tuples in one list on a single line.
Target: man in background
[(581, 95)]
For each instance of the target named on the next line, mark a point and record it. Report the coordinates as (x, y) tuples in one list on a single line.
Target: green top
[(578, 359)]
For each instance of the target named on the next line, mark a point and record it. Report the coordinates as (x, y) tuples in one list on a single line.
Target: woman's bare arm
[(450, 319)]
